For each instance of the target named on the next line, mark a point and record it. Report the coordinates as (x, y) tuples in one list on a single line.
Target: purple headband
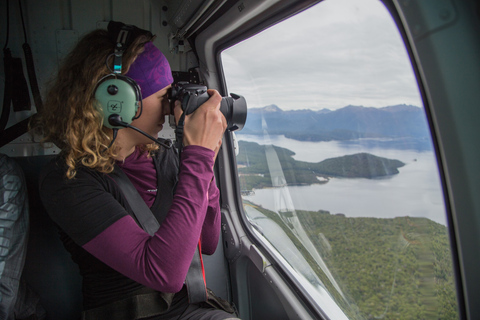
[(151, 71)]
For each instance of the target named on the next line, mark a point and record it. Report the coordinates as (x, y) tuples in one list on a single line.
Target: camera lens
[(192, 96), (234, 108)]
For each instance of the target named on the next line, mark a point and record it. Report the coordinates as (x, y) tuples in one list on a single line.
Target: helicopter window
[(336, 165)]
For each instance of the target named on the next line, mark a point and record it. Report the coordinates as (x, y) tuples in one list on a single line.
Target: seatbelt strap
[(143, 214), (196, 284), (195, 279)]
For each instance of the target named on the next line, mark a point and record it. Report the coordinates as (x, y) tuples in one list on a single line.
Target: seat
[(48, 270)]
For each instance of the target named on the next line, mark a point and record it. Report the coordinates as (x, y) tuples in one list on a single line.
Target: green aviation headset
[(119, 97)]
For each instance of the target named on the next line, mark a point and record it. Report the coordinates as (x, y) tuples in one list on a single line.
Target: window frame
[(231, 196)]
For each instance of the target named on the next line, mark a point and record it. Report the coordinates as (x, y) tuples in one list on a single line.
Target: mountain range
[(350, 122)]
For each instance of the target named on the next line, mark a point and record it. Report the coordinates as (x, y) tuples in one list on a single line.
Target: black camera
[(192, 96)]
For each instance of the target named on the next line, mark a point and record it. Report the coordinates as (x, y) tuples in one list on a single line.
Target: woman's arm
[(162, 261), (97, 222), (211, 225)]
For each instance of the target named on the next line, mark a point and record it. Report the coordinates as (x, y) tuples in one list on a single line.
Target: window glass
[(337, 169)]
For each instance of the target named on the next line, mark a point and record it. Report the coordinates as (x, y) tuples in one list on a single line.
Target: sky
[(337, 53)]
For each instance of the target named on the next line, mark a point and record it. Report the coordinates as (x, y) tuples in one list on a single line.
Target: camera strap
[(195, 279), (179, 132)]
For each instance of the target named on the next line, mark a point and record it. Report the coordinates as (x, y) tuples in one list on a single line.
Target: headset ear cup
[(118, 95)]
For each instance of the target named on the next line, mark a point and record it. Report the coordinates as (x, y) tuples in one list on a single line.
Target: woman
[(124, 268)]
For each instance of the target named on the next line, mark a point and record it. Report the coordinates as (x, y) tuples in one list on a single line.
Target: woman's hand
[(205, 126)]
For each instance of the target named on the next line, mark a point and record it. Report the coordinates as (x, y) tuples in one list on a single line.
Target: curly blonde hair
[(70, 117)]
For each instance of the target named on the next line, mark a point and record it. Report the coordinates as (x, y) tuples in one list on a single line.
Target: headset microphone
[(116, 120)]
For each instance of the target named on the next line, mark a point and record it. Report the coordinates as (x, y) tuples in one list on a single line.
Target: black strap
[(16, 89), (32, 77), (13, 132), (195, 280), (135, 307), (7, 93), (179, 133), (143, 215), (19, 89)]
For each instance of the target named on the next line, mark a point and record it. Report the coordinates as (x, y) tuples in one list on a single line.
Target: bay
[(415, 191)]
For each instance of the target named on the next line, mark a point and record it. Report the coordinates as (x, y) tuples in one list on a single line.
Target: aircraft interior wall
[(53, 27)]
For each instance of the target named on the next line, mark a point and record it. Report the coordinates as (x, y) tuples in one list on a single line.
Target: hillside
[(398, 268), (255, 172), (351, 122)]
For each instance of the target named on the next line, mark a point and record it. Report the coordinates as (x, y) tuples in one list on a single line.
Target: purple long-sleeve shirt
[(94, 219), (162, 261)]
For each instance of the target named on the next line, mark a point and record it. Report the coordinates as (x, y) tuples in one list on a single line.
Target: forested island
[(256, 172), (396, 268)]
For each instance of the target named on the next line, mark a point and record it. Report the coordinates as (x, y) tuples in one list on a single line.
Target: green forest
[(397, 268), (254, 170)]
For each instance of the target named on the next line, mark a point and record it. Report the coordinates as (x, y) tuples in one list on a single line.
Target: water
[(415, 191)]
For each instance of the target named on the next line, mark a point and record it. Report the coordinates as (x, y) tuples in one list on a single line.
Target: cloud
[(337, 53)]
